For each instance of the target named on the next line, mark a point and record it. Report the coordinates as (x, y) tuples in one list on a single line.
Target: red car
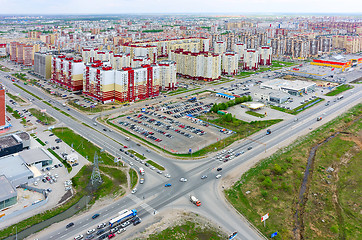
[(112, 235), (125, 146)]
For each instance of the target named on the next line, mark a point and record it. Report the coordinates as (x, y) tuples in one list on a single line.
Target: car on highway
[(95, 216), (91, 231), (218, 176), (113, 230), (121, 230), (159, 172), (102, 225), (70, 225), (125, 224), (125, 146), (203, 176), (134, 191), (78, 237), (112, 235), (168, 185), (167, 175), (249, 148), (319, 118), (90, 237), (219, 169), (183, 179), (142, 180), (100, 231), (137, 221)]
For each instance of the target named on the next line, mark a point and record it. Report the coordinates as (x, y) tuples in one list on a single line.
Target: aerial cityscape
[(180, 120)]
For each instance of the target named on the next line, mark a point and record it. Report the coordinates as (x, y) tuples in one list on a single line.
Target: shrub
[(261, 178), (334, 229), (267, 182), (264, 193), (277, 169), (275, 198)]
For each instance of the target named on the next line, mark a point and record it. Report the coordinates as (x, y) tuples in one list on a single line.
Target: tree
[(222, 106), (215, 108)]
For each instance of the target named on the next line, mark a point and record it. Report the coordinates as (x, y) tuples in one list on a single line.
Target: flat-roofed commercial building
[(14, 143), (8, 195), (296, 87)]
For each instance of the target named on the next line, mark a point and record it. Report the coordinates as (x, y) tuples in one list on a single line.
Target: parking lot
[(172, 127)]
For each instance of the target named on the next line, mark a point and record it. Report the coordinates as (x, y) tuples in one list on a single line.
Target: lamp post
[(16, 232)]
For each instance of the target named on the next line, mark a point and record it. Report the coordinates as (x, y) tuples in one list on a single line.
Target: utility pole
[(96, 178)]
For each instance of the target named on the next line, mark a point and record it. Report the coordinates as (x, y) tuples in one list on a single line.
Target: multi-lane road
[(153, 196)]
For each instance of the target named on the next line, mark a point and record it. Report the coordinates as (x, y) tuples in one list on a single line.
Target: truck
[(195, 201), (268, 132), (142, 171)]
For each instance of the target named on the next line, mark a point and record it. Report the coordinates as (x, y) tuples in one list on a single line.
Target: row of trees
[(226, 105)]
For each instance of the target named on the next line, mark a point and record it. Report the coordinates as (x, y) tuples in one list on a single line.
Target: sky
[(177, 6)]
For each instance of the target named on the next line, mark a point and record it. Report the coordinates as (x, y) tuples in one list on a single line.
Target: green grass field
[(82, 145), (133, 177), (15, 98), (255, 114), (274, 185), (339, 90)]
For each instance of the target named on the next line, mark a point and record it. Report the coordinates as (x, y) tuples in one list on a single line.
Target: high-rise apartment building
[(230, 62), (197, 65)]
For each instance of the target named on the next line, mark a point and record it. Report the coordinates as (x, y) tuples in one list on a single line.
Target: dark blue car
[(95, 216)]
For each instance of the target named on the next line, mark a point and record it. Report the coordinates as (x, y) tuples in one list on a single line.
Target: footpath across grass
[(273, 185), (339, 90)]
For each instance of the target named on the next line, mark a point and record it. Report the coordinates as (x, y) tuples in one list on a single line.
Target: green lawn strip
[(133, 177), (82, 145), (4, 69), (198, 93), (21, 76), (137, 154), (189, 229), (179, 92), (294, 111), (255, 114), (321, 206), (43, 117), (65, 163), (159, 167), (339, 90), (9, 109), (15, 98), (32, 94), (274, 183), (85, 109), (40, 141)]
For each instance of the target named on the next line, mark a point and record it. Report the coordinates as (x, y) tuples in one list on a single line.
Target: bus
[(122, 217)]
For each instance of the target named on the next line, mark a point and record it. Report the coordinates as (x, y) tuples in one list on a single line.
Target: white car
[(183, 179), (167, 175), (218, 176), (131, 163), (91, 231), (134, 191), (152, 167)]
